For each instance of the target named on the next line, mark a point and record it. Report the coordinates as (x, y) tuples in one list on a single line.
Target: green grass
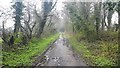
[(98, 59), (24, 56)]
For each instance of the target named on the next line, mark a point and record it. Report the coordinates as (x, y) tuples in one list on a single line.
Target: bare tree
[(47, 8), (28, 23)]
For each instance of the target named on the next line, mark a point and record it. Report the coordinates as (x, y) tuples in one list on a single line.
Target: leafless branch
[(36, 12), (34, 25), (53, 5)]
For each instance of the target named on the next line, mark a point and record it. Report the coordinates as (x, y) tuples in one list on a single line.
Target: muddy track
[(59, 54)]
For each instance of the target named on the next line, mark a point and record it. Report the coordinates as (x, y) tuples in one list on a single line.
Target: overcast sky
[(5, 4)]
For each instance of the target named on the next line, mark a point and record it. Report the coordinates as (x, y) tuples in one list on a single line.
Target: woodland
[(87, 26)]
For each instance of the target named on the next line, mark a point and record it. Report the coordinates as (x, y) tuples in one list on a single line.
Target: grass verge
[(24, 56), (97, 56)]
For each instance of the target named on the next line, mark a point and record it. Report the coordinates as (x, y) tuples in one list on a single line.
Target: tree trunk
[(47, 8), (103, 19), (3, 34), (41, 27), (109, 17), (18, 13), (17, 26), (30, 36), (97, 18), (97, 27)]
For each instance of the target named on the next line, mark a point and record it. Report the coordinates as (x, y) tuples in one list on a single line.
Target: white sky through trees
[(5, 6)]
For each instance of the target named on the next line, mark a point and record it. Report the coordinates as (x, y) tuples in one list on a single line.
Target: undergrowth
[(24, 56), (102, 52)]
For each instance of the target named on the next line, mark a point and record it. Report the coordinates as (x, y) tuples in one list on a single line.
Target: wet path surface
[(61, 55)]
